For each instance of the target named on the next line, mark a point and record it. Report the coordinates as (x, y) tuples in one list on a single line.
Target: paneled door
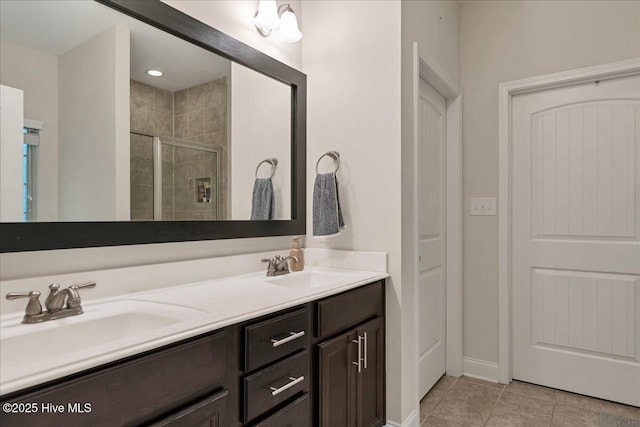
[(431, 199), (576, 238)]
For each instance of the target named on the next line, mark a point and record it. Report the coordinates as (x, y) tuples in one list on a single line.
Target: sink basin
[(306, 279), (99, 324)]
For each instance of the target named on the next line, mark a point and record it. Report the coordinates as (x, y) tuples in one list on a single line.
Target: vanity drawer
[(296, 414), (348, 309), (273, 385), (275, 338), (136, 391), (208, 412)]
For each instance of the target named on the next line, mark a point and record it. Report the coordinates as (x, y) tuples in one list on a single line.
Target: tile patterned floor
[(465, 402)]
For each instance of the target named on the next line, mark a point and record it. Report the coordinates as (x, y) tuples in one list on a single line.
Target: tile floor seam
[(446, 391), (494, 405), (553, 409)]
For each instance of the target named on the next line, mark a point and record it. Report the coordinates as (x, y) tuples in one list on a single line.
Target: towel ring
[(334, 155), (274, 164)]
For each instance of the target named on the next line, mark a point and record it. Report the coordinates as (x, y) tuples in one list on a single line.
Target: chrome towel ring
[(274, 164), (334, 155)]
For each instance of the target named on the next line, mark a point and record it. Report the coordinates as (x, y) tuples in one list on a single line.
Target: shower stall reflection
[(174, 179)]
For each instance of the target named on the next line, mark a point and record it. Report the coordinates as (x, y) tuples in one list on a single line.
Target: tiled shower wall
[(198, 114), (151, 110), (141, 178), (201, 116), (188, 165)]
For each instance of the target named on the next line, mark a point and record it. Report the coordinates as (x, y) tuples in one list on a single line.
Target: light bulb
[(289, 32), (267, 18)]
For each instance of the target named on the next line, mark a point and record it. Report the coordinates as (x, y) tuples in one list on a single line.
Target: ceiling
[(56, 27)]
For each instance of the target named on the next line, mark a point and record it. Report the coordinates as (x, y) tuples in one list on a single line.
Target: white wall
[(435, 26), (122, 136), (351, 54), (233, 18), (40, 103), (264, 104), (94, 129), (503, 41), (11, 142)]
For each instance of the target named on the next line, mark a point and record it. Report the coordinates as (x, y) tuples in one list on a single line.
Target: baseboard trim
[(411, 421), (481, 369)]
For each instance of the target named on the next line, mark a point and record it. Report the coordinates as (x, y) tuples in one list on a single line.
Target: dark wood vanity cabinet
[(327, 337), (295, 368), (183, 384), (351, 364)]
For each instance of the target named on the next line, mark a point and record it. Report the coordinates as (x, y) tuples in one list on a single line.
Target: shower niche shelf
[(203, 190)]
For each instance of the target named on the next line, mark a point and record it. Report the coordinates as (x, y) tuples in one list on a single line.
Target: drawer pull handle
[(292, 336), (276, 391)]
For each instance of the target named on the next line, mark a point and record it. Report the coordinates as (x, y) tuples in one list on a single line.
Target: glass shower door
[(186, 179)]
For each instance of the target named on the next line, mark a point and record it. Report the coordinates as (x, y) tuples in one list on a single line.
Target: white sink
[(306, 279), (99, 324)]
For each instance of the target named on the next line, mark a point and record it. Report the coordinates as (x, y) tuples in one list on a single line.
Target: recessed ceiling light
[(155, 73)]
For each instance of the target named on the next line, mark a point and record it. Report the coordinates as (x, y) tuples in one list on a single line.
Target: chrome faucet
[(279, 265), (59, 303)]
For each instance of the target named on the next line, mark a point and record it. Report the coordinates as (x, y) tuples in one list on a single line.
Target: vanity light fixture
[(281, 22), (155, 73), (267, 19)]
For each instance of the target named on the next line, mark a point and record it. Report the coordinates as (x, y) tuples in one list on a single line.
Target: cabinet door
[(208, 412), (338, 381), (370, 384)]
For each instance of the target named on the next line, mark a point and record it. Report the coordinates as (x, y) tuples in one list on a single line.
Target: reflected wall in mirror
[(89, 135)]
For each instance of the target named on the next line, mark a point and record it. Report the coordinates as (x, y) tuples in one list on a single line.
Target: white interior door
[(576, 238), (431, 185)]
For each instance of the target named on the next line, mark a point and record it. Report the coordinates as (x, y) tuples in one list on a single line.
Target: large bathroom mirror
[(129, 122)]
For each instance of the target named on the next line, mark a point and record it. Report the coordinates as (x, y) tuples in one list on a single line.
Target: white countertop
[(210, 304)]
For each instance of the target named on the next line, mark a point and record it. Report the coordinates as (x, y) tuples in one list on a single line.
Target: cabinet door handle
[(292, 336), (359, 362), (365, 350), (276, 391)]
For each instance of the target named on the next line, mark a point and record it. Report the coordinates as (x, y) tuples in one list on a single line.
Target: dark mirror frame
[(32, 236)]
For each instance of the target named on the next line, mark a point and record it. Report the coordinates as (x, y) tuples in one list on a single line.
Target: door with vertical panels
[(431, 286), (576, 238)]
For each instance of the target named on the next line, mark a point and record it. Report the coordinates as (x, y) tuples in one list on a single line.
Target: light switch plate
[(483, 206)]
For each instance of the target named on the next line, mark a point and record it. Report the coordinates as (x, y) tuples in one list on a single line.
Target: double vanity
[(298, 349), (205, 342)]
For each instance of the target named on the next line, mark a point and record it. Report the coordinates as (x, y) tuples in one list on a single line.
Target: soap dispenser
[(297, 252)]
